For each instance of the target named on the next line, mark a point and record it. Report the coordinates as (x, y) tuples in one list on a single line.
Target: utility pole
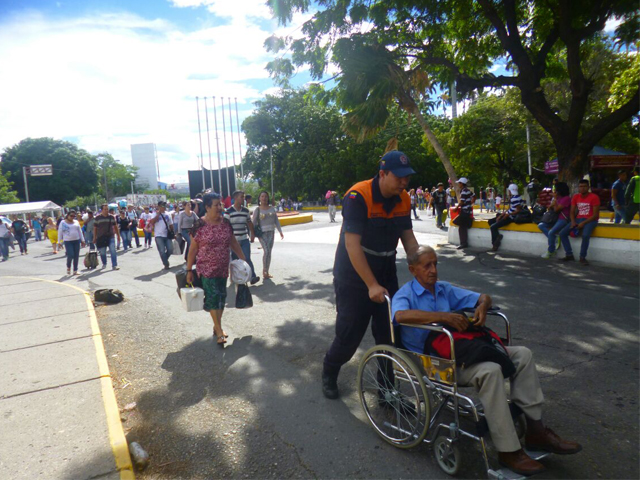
[(26, 185), (224, 137), (239, 144), (106, 192), (215, 122), (200, 137), (528, 152), (206, 114), (271, 155), (233, 152)]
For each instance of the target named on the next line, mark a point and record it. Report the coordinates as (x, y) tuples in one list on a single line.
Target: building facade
[(144, 156)]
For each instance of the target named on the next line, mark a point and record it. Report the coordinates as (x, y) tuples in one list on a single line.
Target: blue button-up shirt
[(413, 296)]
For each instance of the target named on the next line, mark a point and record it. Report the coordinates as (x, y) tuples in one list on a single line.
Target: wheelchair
[(406, 397)]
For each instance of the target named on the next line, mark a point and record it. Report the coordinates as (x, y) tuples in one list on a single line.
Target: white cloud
[(110, 80), (612, 24)]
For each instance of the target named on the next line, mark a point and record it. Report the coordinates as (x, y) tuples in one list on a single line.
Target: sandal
[(221, 340)]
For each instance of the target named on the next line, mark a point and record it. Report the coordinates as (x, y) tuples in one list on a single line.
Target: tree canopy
[(311, 152), (398, 52), (74, 169), (118, 177), (7, 193)]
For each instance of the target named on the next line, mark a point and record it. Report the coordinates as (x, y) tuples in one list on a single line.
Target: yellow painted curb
[(619, 232), (296, 219), (117, 439), (319, 207)]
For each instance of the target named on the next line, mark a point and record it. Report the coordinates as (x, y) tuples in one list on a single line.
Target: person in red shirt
[(585, 210)]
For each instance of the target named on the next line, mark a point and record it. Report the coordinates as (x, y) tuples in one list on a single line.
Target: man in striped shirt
[(465, 215), (515, 205), (240, 219)]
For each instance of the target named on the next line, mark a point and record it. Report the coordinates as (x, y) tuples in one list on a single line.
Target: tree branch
[(610, 122), (541, 58)]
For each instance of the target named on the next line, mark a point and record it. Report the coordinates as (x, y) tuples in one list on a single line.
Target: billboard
[(141, 199)]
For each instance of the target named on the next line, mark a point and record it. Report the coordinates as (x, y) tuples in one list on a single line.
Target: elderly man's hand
[(480, 316), (458, 321)]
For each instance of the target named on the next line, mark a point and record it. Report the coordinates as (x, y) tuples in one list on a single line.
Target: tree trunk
[(435, 144)]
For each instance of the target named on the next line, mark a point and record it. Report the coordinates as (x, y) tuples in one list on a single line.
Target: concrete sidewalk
[(58, 413)]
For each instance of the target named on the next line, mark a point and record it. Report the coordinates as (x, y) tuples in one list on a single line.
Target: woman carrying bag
[(211, 238), (556, 218), (265, 219)]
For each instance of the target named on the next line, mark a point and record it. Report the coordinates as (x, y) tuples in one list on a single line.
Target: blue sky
[(106, 74)]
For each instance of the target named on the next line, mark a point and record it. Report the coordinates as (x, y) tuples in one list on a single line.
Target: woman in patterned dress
[(211, 239)]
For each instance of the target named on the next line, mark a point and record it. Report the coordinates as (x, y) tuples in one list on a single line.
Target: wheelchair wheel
[(394, 396), (447, 455)]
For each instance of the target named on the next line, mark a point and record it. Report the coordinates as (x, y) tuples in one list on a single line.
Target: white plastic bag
[(240, 272), (192, 299), (176, 247)]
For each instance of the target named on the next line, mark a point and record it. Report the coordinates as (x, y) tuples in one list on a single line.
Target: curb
[(117, 438)]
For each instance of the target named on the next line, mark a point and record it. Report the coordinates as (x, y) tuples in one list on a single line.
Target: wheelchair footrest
[(504, 474), (536, 454)]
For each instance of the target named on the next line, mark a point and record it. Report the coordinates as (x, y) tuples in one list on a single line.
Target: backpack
[(524, 215), (91, 260), (108, 295), (538, 213)]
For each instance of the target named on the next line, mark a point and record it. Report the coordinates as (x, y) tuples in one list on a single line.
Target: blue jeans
[(72, 249), (551, 232), (587, 230), (38, 234), (4, 247), (187, 238), (126, 239), (148, 236), (246, 249), (22, 242), (620, 214), (165, 249), (112, 252), (88, 237), (134, 233)]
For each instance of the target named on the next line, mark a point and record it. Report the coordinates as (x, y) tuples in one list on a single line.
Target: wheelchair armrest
[(434, 327), (495, 312)]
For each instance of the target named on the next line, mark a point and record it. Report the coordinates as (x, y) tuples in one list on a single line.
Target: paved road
[(254, 409)]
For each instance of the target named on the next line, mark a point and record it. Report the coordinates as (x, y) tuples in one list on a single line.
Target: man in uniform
[(376, 214)]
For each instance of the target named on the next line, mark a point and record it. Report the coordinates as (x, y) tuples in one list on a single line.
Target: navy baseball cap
[(397, 163)]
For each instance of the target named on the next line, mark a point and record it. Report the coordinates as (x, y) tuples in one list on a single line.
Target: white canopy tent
[(31, 207)]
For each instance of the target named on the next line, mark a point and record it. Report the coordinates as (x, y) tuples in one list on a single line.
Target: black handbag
[(181, 279), (523, 216), (170, 233), (257, 229), (550, 217), (243, 297)]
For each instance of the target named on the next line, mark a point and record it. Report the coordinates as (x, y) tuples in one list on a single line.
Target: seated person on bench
[(425, 300)]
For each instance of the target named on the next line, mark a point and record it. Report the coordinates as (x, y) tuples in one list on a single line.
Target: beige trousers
[(488, 381)]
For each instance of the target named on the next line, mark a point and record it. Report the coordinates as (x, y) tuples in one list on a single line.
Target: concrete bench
[(613, 245)]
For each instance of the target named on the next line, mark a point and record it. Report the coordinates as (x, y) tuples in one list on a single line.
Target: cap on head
[(463, 180), (397, 163), (513, 189)]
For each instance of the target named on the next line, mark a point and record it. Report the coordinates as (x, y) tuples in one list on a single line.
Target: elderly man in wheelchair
[(425, 301)]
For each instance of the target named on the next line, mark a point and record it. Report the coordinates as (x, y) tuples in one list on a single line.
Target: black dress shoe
[(460, 247), (330, 386), (254, 280)]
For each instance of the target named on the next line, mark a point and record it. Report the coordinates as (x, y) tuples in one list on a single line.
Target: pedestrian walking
[(266, 217), (632, 196), (483, 200), (124, 225), (51, 230), (164, 233), (105, 231), (88, 230), (439, 200), (37, 229), (5, 236), (71, 234), (464, 220), (491, 198), (212, 238), (20, 230), (332, 201), (144, 224), (133, 216), (376, 215), (240, 219), (186, 220), (414, 203)]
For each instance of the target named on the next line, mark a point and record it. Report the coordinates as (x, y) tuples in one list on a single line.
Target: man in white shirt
[(133, 216), (163, 231)]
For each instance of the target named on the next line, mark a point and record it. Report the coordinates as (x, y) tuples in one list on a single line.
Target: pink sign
[(551, 167)]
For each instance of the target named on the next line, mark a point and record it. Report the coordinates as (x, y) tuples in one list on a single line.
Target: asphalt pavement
[(254, 409)]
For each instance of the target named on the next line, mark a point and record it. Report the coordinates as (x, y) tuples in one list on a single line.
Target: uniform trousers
[(355, 310), (526, 393)]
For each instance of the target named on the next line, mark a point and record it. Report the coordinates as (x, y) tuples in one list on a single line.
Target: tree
[(311, 152), (397, 51), (74, 169), (118, 177), (7, 194)]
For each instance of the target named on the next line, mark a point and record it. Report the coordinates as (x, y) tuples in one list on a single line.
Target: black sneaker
[(568, 258), (330, 386), (254, 280)]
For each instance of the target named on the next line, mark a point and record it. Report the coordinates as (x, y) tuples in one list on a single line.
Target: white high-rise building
[(143, 156)]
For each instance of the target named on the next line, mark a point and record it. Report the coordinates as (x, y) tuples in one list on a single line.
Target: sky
[(106, 74), (110, 73)]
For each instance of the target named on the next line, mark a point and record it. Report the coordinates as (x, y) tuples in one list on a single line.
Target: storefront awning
[(31, 207)]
